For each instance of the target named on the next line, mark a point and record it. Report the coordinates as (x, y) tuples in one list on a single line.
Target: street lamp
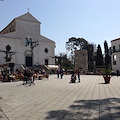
[(8, 53), (59, 59), (32, 44), (8, 56)]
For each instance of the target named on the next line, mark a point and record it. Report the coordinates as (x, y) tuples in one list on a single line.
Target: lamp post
[(59, 59), (8, 56), (32, 44), (8, 53)]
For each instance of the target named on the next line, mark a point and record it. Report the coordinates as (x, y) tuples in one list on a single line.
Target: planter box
[(107, 80)]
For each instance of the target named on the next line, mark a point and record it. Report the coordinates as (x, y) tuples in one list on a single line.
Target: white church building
[(15, 34), (115, 57)]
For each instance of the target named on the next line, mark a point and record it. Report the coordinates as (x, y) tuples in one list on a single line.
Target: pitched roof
[(115, 39), (27, 17), (44, 39)]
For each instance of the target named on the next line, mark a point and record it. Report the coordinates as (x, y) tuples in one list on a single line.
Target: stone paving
[(57, 99)]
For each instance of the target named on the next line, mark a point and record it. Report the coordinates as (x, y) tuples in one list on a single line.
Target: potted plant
[(107, 75), (107, 71)]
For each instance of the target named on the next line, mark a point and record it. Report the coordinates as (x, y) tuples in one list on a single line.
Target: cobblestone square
[(57, 99)]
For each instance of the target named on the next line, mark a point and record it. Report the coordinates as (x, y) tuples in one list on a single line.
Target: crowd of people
[(27, 75), (6, 75), (60, 74), (30, 76)]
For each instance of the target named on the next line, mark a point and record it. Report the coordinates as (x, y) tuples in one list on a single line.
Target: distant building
[(81, 60), (115, 57), (15, 34)]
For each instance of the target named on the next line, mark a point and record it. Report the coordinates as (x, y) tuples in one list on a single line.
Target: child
[(73, 78)]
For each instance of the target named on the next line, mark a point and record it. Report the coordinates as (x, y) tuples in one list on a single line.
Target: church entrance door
[(28, 61)]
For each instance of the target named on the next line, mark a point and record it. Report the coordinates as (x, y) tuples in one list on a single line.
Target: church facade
[(22, 28)]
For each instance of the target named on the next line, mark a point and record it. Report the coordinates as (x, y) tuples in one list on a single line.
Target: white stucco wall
[(115, 43), (27, 29)]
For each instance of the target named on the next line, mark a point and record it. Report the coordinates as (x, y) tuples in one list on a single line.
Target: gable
[(9, 28), (28, 17)]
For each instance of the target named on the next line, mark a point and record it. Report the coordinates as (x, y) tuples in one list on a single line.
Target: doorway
[(46, 62), (28, 61)]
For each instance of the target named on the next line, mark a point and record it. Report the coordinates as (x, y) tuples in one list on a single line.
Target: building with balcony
[(115, 56), (15, 34)]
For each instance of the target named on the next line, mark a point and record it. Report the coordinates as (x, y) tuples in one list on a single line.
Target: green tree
[(90, 49), (79, 44), (63, 61), (99, 56), (75, 44), (106, 50), (107, 55)]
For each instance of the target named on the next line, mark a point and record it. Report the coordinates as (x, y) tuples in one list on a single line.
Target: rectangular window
[(114, 59), (46, 62), (113, 48)]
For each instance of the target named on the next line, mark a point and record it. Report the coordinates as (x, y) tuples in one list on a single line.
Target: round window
[(46, 50)]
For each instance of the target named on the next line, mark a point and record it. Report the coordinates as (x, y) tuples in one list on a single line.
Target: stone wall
[(81, 60)]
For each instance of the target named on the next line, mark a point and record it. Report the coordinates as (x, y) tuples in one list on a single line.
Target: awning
[(53, 66), (7, 64)]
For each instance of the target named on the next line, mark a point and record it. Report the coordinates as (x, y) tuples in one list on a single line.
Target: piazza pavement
[(57, 99)]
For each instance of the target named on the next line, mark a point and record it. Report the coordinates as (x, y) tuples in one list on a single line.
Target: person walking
[(25, 74), (58, 73), (31, 77), (78, 73), (61, 73)]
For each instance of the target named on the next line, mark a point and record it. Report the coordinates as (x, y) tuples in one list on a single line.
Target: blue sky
[(93, 20)]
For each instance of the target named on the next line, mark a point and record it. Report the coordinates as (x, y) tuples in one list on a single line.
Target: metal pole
[(32, 58), (32, 44)]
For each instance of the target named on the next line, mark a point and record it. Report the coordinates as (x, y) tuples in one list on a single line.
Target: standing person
[(43, 72), (47, 74), (4, 75), (25, 76), (57, 73), (78, 73), (8, 75), (61, 73), (117, 71), (31, 77)]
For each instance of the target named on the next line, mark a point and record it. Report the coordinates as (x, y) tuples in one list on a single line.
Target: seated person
[(73, 78)]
